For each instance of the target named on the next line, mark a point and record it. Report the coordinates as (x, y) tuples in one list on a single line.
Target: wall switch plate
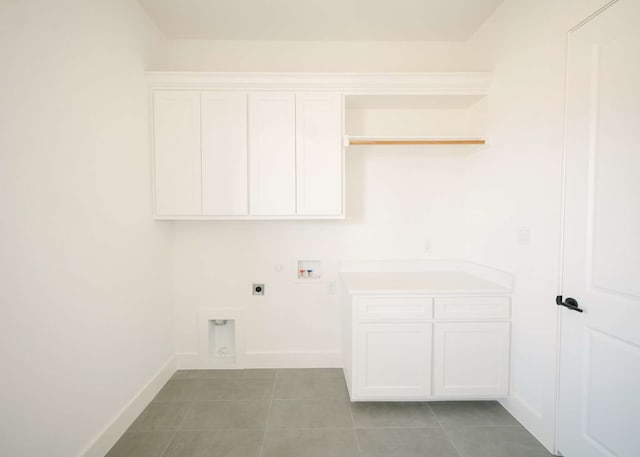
[(524, 236), (258, 289)]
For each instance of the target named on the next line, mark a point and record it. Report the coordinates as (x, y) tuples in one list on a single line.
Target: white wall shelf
[(419, 119), (356, 84)]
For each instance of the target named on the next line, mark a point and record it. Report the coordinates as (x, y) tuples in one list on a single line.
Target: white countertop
[(431, 282)]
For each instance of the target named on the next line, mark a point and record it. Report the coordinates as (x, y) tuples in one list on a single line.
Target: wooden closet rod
[(353, 142)]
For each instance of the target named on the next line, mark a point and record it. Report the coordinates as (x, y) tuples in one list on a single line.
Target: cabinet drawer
[(386, 308), (472, 308)]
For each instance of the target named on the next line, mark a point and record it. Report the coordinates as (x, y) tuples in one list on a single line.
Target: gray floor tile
[(234, 389), (317, 372), (215, 415), (322, 413), (220, 443), (179, 390), (310, 443), (225, 374), (213, 389), (301, 387), (259, 373), (224, 413), (141, 444), (160, 416), (207, 374), (399, 442), (454, 414), (392, 414), (496, 442)]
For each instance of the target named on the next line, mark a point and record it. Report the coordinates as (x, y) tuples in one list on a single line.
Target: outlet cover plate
[(258, 289)]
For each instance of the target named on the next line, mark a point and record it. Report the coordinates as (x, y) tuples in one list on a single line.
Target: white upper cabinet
[(224, 154), (319, 153), (176, 138), (235, 155), (271, 146), (272, 153)]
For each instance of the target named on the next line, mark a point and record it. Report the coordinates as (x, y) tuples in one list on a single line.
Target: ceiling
[(320, 20)]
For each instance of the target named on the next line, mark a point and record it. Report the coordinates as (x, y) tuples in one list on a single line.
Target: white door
[(600, 357), (471, 359), (224, 154), (272, 153), (394, 361), (176, 143), (319, 153)]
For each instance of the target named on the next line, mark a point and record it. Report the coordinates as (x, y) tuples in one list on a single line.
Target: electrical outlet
[(258, 289)]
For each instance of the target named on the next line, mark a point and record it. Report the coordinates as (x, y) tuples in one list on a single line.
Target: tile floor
[(307, 413)]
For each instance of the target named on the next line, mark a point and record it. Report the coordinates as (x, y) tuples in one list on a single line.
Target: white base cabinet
[(404, 348)]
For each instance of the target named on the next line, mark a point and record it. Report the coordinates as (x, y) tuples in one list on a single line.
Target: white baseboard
[(287, 359), (112, 432), (530, 418)]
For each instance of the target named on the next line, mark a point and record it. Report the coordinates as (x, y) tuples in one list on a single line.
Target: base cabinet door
[(394, 361), (471, 359)]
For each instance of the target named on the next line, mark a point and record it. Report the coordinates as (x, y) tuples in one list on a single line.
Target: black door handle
[(570, 303)]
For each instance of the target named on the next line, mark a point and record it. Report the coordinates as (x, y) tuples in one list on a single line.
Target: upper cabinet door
[(224, 154), (319, 153), (272, 153), (176, 135)]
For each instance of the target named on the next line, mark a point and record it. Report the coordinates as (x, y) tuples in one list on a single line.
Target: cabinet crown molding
[(458, 83)]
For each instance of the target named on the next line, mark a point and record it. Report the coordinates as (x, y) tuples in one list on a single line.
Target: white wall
[(396, 198), (516, 183), (513, 183), (86, 314), (330, 56)]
